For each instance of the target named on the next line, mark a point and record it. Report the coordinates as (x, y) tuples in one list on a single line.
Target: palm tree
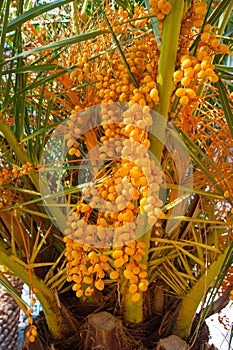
[(9, 315), (75, 66)]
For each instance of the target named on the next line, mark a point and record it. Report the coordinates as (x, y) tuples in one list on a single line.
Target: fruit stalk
[(133, 312), (166, 68)]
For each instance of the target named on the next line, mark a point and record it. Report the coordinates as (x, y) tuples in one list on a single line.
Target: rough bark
[(104, 332), (172, 343), (9, 316), (208, 347)]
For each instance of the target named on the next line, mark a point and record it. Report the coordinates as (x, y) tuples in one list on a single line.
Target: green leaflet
[(62, 43), (225, 104), (34, 12)]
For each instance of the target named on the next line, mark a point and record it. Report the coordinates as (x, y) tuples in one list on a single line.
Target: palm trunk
[(9, 316), (133, 312)]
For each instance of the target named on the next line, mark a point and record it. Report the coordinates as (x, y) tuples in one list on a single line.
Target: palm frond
[(226, 105), (34, 12)]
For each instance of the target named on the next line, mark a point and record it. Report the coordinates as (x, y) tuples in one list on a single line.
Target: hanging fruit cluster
[(160, 9), (101, 238), (198, 46), (32, 331), (196, 65), (118, 77), (8, 176), (118, 86), (129, 183), (86, 268)]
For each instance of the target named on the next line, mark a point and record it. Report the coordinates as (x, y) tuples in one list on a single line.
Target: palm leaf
[(125, 4), (34, 12), (118, 45), (225, 104), (224, 72), (186, 265), (4, 29), (195, 190), (198, 156), (188, 309), (54, 266), (219, 280), (38, 245), (218, 11), (173, 278), (200, 220), (154, 25), (40, 68), (56, 278), (62, 43)]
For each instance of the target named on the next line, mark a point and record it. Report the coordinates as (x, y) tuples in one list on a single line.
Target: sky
[(220, 336)]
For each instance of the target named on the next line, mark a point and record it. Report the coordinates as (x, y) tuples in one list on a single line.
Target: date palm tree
[(72, 66)]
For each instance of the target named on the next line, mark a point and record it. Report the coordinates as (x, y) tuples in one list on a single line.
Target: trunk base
[(172, 343), (104, 331)]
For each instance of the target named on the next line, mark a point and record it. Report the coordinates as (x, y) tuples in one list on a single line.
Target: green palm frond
[(34, 12), (226, 105)]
